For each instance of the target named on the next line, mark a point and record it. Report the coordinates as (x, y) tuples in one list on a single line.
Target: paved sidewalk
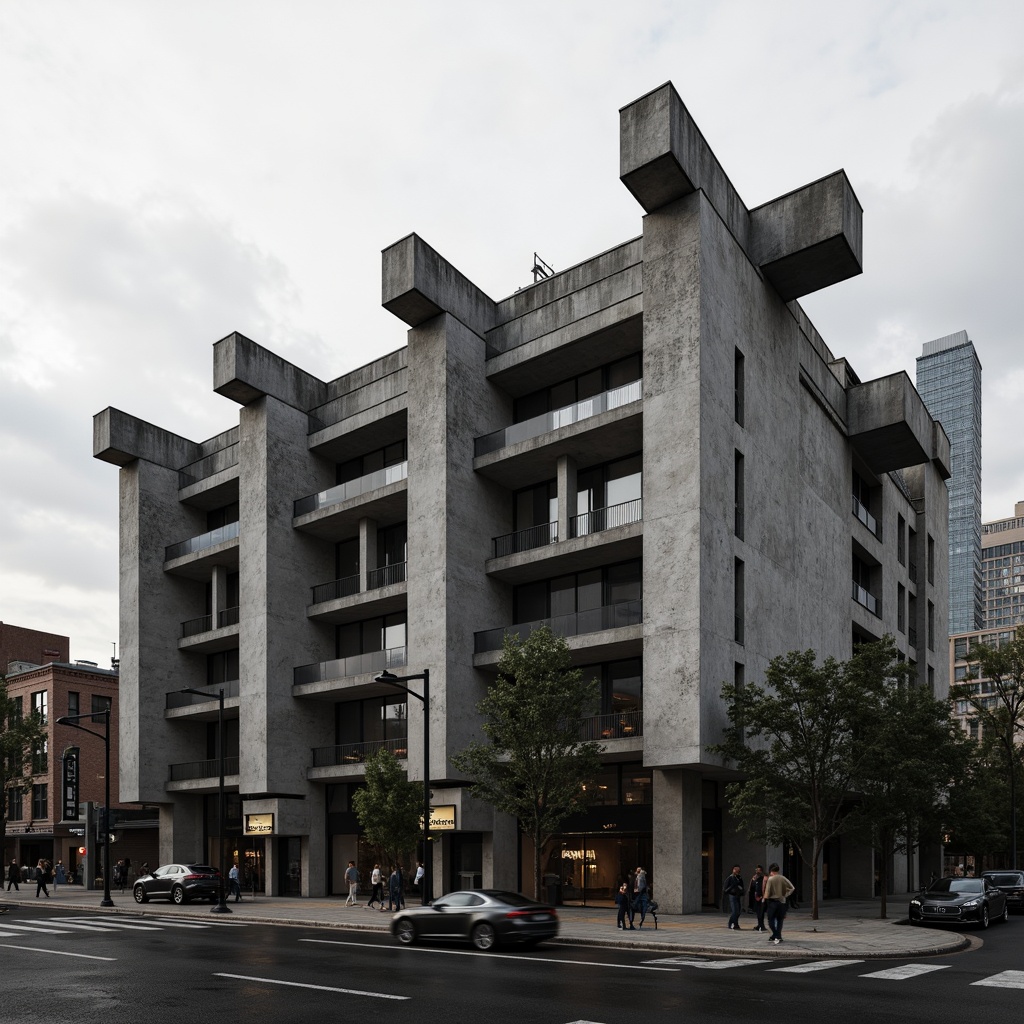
[(846, 928)]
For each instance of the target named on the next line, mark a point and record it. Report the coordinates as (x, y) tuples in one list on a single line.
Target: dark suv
[(1012, 883)]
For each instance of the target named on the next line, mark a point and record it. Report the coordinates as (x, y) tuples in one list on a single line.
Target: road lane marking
[(709, 965), (55, 952), (39, 928), (906, 971), (491, 956), (816, 965), (1005, 979), (318, 988)]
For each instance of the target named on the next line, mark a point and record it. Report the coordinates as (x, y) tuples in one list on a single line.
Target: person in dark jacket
[(755, 896), (733, 891), (624, 901), (13, 876), (43, 878)]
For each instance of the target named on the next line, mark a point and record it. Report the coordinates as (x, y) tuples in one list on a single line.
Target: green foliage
[(535, 766), (389, 807), (20, 736)]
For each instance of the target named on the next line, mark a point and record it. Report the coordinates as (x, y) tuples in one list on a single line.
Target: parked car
[(959, 901), (1012, 883), (484, 917), (179, 883)]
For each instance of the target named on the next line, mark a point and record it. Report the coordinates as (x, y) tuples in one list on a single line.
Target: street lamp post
[(72, 721), (220, 907), (390, 679)]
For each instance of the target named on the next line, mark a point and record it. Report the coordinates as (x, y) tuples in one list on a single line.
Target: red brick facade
[(32, 645)]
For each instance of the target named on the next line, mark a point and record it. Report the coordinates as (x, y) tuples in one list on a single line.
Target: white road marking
[(55, 952), (816, 965), (492, 956), (906, 971), (318, 988), (709, 965), (40, 929), (1005, 979)]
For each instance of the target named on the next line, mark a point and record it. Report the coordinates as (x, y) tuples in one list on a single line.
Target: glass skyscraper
[(949, 381)]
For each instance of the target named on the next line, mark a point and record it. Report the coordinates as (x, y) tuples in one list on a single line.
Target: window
[(382, 633), (738, 387), (14, 810), (39, 704), (931, 558), (222, 667), (579, 593), (901, 540), (41, 758), (73, 703), (39, 801), (931, 626), (100, 704), (608, 495), (372, 719), (579, 389), (535, 506), (738, 600), (738, 497), (901, 613), (218, 517), (383, 458)]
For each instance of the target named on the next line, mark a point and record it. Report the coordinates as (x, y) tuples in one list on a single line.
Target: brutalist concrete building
[(654, 451)]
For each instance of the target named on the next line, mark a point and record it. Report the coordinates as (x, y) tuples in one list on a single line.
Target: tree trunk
[(537, 847), (815, 869), (883, 878)]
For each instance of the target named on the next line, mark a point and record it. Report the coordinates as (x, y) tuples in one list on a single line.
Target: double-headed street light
[(220, 907), (390, 679), (72, 721)]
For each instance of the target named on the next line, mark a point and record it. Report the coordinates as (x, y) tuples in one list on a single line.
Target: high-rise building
[(1002, 568), (654, 452), (949, 381)]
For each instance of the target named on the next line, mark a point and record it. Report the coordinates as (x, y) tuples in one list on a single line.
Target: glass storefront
[(587, 869)]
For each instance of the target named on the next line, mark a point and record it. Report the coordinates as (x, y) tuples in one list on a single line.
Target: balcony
[(189, 771), (623, 725), (524, 540), (594, 620), (336, 590), (213, 464), (546, 422), (204, 623), (867, 599), (352, 489), (176, 699), (201, 543), (861, 512), (386, 576), (357, 665), (601, 519), (357, 753)]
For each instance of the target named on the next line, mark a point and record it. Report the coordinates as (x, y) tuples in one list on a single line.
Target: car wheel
[(483, 935), (140, 894), (178, 895), (983, 920), (405, 932)]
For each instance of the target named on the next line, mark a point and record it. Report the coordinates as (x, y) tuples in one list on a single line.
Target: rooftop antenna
[(115, 661), (541, 270)]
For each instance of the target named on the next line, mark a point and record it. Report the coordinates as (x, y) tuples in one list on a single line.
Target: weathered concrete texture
[(244, 371), (119, 438), (810, 238), (418, 284), (678, 833)]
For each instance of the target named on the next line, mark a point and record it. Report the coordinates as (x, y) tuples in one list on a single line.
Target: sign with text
[(69, 785), (442, 818), (259, 824)]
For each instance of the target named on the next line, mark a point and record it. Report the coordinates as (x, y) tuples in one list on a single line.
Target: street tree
[(1000, 708), (389, 807), (797, 741), (22, 743), (535, 765)]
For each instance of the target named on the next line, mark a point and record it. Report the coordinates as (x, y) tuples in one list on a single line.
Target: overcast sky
[(173, 171)]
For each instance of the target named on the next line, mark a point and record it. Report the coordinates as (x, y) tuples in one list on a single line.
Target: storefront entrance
[(587, 869), (289, 873)]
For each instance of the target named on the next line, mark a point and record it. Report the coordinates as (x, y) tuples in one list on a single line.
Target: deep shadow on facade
[(654, 451)]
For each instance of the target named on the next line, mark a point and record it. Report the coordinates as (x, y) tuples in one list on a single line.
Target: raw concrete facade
[(684, 353)]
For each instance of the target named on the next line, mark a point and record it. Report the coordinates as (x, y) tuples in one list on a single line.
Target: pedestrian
[(733, 892), (395, 888), (13, 876), (755, 896), (233, 883), (60, 876), (128, 871), (640, 894), (624, 901), (777, 889), (418, 879), (376, 888), (352, 877), (117, 876), (43, 878)]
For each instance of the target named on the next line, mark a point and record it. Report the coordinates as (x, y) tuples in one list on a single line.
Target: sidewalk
[(846, 928)]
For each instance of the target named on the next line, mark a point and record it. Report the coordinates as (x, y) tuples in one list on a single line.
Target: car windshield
[(1007, 879), (959, 885), (513, 899)]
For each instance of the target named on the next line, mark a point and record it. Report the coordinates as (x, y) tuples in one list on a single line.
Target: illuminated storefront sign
[(259, 824), (442, 818)]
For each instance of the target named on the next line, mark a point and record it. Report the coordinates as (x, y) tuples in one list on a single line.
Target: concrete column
[(566, 494), (314, 863), (181, 831), (499, 860), (678, 833), (367, 550), (220, 590)]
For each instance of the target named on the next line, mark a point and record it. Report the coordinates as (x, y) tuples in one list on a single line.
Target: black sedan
[(959, 901), (1012, 883), (485, 917), (178, 883)]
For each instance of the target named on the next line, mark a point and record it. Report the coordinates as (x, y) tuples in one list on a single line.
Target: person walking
[(376, 888), (42, 878), (777, 889), (640, 893), (60, 876), (352, 877), (733, 891), (418, 878), (13, 876), (234, 886), (755, 896), (624, 901), (395, 888)]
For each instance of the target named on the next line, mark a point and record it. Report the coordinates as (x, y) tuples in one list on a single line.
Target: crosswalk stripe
[(1005, 979), (816, 965), (906, 971), (708, 965), (40, 928)]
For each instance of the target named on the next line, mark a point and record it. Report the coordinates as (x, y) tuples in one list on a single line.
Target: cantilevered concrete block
[(888, 424), (417, 284), (119, 439), (244, 371), (810, 238)]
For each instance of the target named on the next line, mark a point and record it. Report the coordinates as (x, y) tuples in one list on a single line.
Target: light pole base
[(220, 908), (108, 902)]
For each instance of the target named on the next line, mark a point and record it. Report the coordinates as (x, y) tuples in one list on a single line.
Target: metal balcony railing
[(607, 518), (203, 541), (202, 769), (352, 488), (336, 589), (357, 753), (861, 512), (524, 540), (227, 617), (209, 466), (176, 699), (339, 668), (537, 425), (386, 576), (623, 725), (192, 627), (594, 620), (867, 599)]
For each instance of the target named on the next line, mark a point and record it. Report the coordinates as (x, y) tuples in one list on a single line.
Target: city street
[(63, 965)]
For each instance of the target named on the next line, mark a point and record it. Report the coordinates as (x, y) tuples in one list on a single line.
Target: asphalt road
[(59, 967)]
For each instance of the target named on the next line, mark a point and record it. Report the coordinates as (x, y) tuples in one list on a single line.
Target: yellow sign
[(442, 819), (259, 824)]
